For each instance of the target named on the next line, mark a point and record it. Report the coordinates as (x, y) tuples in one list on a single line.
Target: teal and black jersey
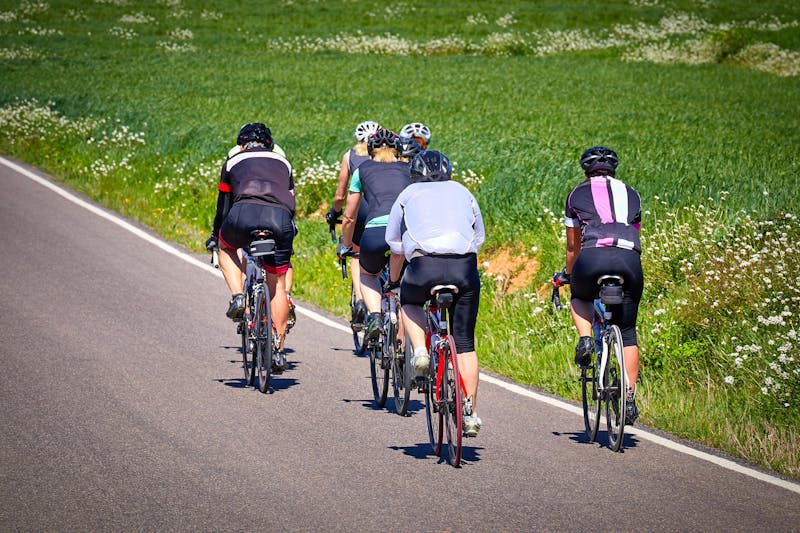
[(380, 184)]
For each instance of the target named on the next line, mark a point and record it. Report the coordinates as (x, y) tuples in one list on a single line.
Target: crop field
[(137, 103)]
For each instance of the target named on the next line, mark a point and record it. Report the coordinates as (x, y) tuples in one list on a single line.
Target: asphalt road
[(123, 407)]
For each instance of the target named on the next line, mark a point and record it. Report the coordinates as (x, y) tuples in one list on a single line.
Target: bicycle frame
[(600, 327), (257, 292), (439, 327)]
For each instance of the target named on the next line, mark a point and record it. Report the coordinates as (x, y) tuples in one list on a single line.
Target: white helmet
[(416, 129), (365, 129)]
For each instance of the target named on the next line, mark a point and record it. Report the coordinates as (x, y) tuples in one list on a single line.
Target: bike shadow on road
[(422, 450), (277, 382), (580, 437), (414, 406)]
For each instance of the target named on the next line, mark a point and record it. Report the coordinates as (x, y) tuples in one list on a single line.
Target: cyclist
[(350, 162), (436, 224), (379, 180), (407, 148), (256, 191), (419, 132), (603, 217), (290, 272)]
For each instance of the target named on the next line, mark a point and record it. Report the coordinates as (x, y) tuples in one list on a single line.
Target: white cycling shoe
[(420, 363), (472, 424)]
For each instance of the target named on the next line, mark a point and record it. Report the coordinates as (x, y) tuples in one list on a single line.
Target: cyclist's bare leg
[(582, 314), (355, 274), (289, 278), (468, 368), (371, 291), (631, 364), (231, 268), (242, 263), (279, 304), (413, 322)]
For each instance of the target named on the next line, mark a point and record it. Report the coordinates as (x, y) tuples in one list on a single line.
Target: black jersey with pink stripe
[(608, 211), (260, 175)]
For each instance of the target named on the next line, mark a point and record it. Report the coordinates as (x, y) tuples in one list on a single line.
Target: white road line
[(511, 387)]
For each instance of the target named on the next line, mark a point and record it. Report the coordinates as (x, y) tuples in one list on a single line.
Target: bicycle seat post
[(443, 296)]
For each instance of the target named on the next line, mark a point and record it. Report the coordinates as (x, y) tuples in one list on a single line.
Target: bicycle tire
[(590, 400), (615, 394), (453, 413), (263, 334), (378, 374), (433, 412), (401, 378), (358, 330), (246, 364)]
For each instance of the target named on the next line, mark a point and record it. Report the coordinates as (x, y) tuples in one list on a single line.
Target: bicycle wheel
[(358, 328), (453, 415), (591, 401), (379, 372), (433, 412), (401, 378), (263, 334), (615, 393), (247, 352)]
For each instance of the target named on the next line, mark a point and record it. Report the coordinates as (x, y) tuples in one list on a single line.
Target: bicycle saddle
[(444, 294), (261, 245)]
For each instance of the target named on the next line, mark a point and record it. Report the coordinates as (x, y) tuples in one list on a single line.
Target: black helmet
[(381, 138), (255, 132), (408, 147), (430, 165), (599, 160)]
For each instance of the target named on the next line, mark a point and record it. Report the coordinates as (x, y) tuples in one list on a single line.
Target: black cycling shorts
[(595, 262), (423, 273), (374, 252), (245, 217)]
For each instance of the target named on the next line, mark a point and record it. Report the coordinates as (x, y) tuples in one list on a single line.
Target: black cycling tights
[(425, 272), (595, 262)]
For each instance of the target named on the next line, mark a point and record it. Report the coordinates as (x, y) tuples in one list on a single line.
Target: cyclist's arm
[(349, 218), (573, 246), (394, 238), (573, 223), (351, 209), (480, 234), (341, 190), (223, 203), (395, 266)]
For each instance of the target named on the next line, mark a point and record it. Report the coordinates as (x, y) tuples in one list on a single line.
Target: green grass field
[(136, 105)]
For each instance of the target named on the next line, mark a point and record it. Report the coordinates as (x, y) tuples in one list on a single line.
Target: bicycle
[(604, 381), (356, 320), (446, 402), (400, 359), (256, 328), (383, 348)]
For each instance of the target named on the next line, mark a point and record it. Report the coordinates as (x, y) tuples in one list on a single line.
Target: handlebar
[(332, 228), (215, 257), (557, 299)]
